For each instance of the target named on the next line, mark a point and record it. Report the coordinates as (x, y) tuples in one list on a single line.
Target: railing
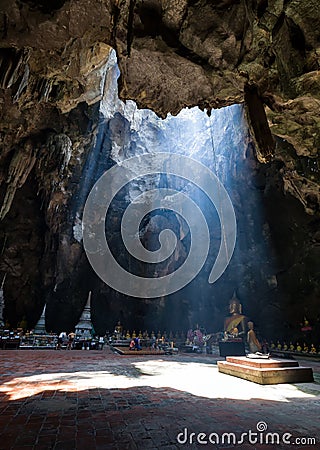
[(38, 341)]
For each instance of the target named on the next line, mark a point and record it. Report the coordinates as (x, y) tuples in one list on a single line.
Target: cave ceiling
[(172, 54)]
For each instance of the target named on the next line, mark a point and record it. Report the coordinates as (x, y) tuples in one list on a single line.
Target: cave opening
[(269, 274), (220, 140)]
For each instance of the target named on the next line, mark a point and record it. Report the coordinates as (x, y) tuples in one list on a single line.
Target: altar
[(232, 347)]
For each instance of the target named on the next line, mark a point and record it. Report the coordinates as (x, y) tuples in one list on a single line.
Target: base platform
[(234, 347), (126, 351), (266, 371)]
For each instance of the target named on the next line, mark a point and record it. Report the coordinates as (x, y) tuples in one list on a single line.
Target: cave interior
[(234, 84)]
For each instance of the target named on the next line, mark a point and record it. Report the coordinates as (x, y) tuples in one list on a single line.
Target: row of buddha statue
[(294, 347), (119, 334)]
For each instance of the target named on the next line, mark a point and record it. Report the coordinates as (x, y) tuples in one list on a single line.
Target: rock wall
[(53, 73)]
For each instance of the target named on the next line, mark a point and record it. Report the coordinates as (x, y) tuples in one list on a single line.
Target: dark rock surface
[(172, 54)]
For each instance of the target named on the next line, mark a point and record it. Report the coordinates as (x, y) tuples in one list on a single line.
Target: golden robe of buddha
[(236, 319)]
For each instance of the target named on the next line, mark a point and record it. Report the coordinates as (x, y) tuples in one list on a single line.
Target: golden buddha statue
[(313, 349), (235, 332), (236, 320), (299, 348), (285, 346), (118, 330), (291, 347)]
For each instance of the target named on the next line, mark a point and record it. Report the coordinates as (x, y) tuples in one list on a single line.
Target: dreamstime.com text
[(260, 436)]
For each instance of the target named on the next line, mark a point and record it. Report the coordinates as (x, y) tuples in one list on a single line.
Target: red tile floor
[(74, 400)]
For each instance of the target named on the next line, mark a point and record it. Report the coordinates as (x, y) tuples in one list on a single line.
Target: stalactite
[(12, 65), (58, 149), (23, 83), (265, 144), (19, 169), (52, 176), (42, 88)]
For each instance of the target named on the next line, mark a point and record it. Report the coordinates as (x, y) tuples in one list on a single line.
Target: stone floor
[(74, 400)]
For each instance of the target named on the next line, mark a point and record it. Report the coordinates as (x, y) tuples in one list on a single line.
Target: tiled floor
[(74, 400)]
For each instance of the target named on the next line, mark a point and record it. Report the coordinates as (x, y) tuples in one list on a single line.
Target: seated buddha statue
[(236, 320), (118, 330)]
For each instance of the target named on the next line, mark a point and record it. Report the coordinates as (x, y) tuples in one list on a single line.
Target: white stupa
[(84, 326), (40, 327)]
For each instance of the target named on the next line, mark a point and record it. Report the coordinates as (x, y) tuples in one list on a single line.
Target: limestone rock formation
[(54, 72)]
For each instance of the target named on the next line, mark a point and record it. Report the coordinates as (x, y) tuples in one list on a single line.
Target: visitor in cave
[(71, 337), (137, 345), (62, 338)]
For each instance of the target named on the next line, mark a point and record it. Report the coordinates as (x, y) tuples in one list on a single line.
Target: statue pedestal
[(232, 348), (269, 371)]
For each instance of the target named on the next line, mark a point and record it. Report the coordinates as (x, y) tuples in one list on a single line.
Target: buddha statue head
[(234, 305)]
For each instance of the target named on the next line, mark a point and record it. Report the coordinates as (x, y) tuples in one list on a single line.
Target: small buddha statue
[(279, 346), (23, 324), (140, 335), (118, 330), (285, 346), (235, 332), (305, 348), (153, 336), (291, 347), (128, 335), (306, 326), (134, 335), (298, 348), (272, 345), (313, 350)]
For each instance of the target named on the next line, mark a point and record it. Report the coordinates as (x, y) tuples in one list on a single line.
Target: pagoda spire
[(84, 326), (40, 327)]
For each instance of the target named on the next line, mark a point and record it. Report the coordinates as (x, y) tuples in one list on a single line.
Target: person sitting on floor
[(137, 345)]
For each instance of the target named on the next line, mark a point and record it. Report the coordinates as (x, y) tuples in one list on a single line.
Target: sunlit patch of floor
[(198, 379)]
